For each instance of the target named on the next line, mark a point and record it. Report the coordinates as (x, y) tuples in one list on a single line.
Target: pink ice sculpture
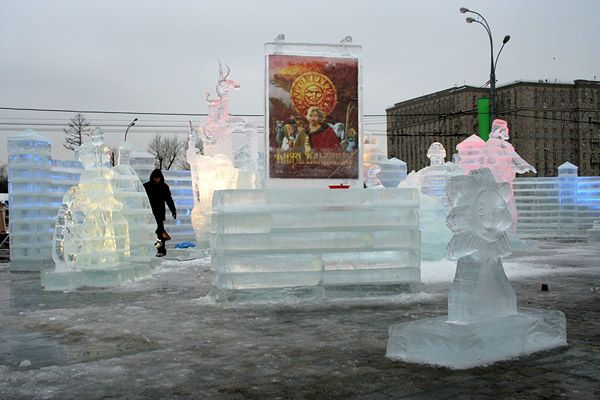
[(499, 156), (215, 130)]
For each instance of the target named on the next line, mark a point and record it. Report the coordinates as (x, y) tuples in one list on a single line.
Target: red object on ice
[(340, 186)]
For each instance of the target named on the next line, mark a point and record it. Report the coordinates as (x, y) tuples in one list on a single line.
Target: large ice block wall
[(37, 184), (320, 242), (562, 206)]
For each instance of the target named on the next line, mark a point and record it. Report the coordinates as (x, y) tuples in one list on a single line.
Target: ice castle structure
[(433, 209), (104, 227), (37, 184), (483, 323)]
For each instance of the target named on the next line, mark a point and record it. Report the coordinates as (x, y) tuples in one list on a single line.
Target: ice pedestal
[(96, 277), (483, 324), (314, 242), (457, 345)]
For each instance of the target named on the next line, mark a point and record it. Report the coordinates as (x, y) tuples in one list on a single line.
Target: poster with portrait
[(313, 117)]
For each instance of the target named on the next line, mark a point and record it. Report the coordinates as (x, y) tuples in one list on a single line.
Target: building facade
[(550, 123)]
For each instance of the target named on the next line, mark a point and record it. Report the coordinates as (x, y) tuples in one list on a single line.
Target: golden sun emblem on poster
[(313, 89)]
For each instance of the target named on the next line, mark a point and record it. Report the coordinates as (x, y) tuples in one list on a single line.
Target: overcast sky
[(161, 55)]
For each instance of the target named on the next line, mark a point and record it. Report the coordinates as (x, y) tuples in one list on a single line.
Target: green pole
[(483, 116)]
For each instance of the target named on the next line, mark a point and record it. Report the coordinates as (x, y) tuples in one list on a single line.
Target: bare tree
[(165, 150), (3, 178), (74, 133)]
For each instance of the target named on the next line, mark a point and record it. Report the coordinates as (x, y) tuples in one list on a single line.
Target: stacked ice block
[(37, 185), (180, 183), (537, 202), (316, 242), (563, 206)]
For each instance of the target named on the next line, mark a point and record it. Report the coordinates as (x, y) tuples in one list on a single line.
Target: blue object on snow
[(184, 245)]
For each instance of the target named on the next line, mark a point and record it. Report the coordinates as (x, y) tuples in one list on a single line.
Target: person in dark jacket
[(159, 193)]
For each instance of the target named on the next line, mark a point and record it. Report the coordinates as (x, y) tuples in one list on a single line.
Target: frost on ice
[(483, 324)]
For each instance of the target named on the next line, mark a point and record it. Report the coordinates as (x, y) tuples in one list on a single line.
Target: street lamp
[(481, 21), (130, 125)]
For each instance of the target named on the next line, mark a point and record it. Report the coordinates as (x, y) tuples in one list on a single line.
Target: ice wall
[(37, 184), (315, 242), (180, 183), (562, 206)]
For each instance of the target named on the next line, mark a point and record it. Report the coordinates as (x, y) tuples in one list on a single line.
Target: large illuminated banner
[(313, 117)]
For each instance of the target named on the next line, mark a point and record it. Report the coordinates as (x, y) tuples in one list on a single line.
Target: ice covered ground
[(162, 338)]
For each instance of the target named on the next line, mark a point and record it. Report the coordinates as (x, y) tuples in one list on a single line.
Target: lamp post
[(130, 125), (481, 21)]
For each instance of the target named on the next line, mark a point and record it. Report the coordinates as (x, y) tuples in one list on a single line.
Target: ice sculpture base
[(312, 293), (97, 278), (30, 265), (439, 342)]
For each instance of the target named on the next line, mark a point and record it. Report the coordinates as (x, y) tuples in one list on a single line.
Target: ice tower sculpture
[(483, 324), (433, 208), (37, 184), (103, 234)]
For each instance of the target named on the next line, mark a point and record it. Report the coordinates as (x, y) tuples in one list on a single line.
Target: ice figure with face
[(479, 220)]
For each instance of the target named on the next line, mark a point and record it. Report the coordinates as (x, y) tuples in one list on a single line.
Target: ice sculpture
[(314, 242), (208, 174), (469, 153), (215, 130), (391, 171), (215, 169), (483, 324), (103, 233), (499, 156), (37, 186), (373, 181), (432, 181)]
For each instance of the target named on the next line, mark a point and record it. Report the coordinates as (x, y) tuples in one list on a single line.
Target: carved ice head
[(480, 216), (436, 153), (499, 129)]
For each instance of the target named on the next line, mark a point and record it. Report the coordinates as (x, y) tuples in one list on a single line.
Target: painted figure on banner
[(313, 117)]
